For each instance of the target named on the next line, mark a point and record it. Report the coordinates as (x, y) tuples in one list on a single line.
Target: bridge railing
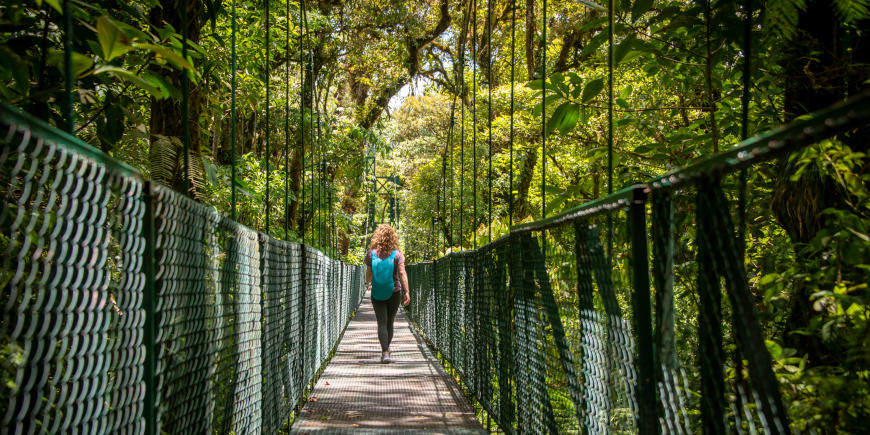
[(571, 324), (128, 307)]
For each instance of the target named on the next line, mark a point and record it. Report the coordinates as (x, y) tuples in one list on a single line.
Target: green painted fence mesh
[(128, 307), (571, 324)]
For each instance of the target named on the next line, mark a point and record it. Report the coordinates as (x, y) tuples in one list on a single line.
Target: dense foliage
[(332, 74)]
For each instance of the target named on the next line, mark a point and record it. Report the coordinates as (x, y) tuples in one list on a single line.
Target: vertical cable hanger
[(185, 98), (320, 175), (462, 151), (233, 117), (489, 116), (268, 103), (315, 207), (474, 124), (302, 29), (452, 233), (68, 114), (744, 120), (462, 175), (610, 48), (287, 123), (511, 133), (318, 169), (445, 158), (544, 111)]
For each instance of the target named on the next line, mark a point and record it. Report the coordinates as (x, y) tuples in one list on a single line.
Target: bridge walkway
[(357, 394)]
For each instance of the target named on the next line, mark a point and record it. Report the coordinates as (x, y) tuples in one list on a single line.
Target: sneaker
[(385, 358)]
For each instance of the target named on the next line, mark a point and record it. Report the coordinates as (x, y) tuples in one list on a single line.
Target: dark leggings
[(385, 312)]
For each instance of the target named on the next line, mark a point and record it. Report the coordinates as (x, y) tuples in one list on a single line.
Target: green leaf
[(639, 8), (594, 43), (170, 56), (111, 38), (592, 90), (566, 113), (165, 86), (592, 5), (773, 348), (211, 171), (132, 78), (550, 100), (570, 119), (574, 78), (535, 84), (55, 5), (80, 62), (623, 48), (5, 92)]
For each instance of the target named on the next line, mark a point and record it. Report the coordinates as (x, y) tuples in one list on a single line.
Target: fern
[(781, 16), (164, 158), (851, 11), (196, 175)]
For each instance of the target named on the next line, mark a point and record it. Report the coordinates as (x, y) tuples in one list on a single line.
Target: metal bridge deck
[(356, 393)]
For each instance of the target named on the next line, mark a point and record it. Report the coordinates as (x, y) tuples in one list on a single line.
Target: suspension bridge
[(129, 307)]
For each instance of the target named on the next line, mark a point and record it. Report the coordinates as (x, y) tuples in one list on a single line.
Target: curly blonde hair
[(385, 239)]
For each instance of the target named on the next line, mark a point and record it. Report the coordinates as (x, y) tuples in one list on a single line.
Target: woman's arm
[(368, 277), (404, 277)]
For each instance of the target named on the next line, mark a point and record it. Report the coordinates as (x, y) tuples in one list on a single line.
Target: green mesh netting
[(72, 285), (128, 307)]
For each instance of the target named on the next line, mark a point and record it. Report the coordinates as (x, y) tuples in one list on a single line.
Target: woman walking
[(386, 278)]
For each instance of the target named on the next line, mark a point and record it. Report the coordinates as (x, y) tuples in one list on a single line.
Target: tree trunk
[(524, 180), (531, 32), (166, 114), (814, 82)]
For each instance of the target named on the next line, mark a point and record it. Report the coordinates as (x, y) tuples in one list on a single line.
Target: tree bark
[(524, 181), (166, 114), (531, 32)]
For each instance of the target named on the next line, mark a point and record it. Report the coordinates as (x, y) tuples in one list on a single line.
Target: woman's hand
[(407, 299)]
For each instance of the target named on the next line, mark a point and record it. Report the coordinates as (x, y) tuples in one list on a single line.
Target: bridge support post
[(149, 303), (644, 364)]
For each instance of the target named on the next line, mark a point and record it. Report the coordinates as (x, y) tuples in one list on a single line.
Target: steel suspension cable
[(489, 115), (233, 117), (268, 103), (474, 124), (68, 114)]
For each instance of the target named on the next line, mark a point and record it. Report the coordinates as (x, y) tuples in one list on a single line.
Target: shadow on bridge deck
[(356, 393)]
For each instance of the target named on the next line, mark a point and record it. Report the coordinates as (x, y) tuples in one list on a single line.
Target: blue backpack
[(382, 276)]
